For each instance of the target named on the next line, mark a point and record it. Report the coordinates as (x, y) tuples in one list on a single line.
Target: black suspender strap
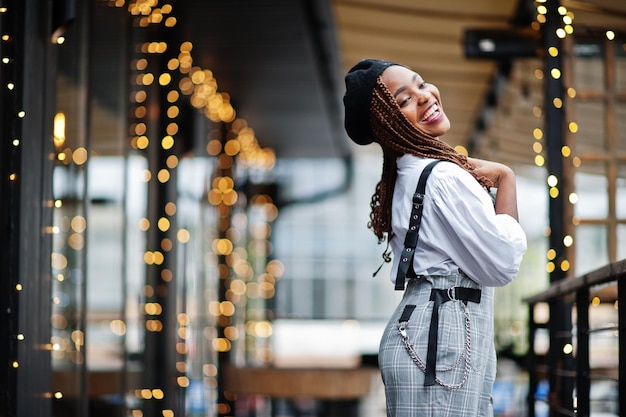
[(412, 234)]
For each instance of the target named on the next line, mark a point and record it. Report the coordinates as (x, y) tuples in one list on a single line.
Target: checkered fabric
[(405, 392)]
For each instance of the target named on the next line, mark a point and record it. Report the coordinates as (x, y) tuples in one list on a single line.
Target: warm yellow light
[(552, 180), (59, 130), (556, 73), (214, 147), (165, 79), (573, 127), (140, 96), (154, 325), (557, 102), (163, 176), (170, 208), (566, 151), (167, 142), (568, 241), (140, 112), (610, 35), (183, 236), (80, 156), (560, 32), (163, 224), (537, 148), (232, 147), (538, 133), (539, 160), (158, 394), (144, 224), (221, 344), (118, 327), (186, 47), (227, 308), (142, 142), (183, 382), (78, 224), (171, 161), (173, 96), (537, 112), (147, 79), (461, 149), (172, 112), (554, 192), (553, 51), (172, 128), (173, 64)]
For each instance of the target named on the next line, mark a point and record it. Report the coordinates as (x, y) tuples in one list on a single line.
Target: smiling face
[(418, 100)]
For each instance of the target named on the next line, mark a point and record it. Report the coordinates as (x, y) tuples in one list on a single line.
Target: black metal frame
[(580, 288)]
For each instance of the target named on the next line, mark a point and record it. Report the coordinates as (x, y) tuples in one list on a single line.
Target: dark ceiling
[(278, 61), (282, 62)]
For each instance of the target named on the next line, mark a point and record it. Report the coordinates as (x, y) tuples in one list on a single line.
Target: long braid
[(397, 136)]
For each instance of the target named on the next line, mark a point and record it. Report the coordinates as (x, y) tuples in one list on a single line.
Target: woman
[(437, 355)]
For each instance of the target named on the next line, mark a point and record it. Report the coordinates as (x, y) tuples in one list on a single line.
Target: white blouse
[(459, 229)]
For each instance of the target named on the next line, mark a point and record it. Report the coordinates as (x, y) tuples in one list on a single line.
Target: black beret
[(360, 82)]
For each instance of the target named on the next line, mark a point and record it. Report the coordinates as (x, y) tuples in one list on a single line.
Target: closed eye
[(405, 101)]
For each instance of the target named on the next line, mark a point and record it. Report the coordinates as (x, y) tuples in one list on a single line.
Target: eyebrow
[(401, 89)]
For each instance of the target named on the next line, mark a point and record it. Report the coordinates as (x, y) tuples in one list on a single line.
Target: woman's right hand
[(502, 178)]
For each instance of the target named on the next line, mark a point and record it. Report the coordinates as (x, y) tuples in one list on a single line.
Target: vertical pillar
[(161, 299), (26, 106), (224, 173), (559, 355)]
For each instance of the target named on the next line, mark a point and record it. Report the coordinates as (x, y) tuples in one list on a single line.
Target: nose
[(423, 97)]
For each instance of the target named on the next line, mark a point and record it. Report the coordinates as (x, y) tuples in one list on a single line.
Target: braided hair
[(397, 136)]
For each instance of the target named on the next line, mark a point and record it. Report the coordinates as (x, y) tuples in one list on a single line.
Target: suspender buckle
[(452, 293), (418, 200)]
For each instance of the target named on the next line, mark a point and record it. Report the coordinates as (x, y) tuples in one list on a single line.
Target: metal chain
[(467, 349)]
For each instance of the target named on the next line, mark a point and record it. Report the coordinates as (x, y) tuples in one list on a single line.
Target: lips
[(432, 114)]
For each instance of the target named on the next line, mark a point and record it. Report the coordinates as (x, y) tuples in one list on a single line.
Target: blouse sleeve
[(488, 247)]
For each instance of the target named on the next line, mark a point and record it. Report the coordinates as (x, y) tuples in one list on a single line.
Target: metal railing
[(566, 367)]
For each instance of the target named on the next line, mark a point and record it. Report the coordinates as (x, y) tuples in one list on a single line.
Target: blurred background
[(187, 232)]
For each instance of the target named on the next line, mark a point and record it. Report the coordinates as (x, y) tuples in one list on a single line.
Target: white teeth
[(433, 109)]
